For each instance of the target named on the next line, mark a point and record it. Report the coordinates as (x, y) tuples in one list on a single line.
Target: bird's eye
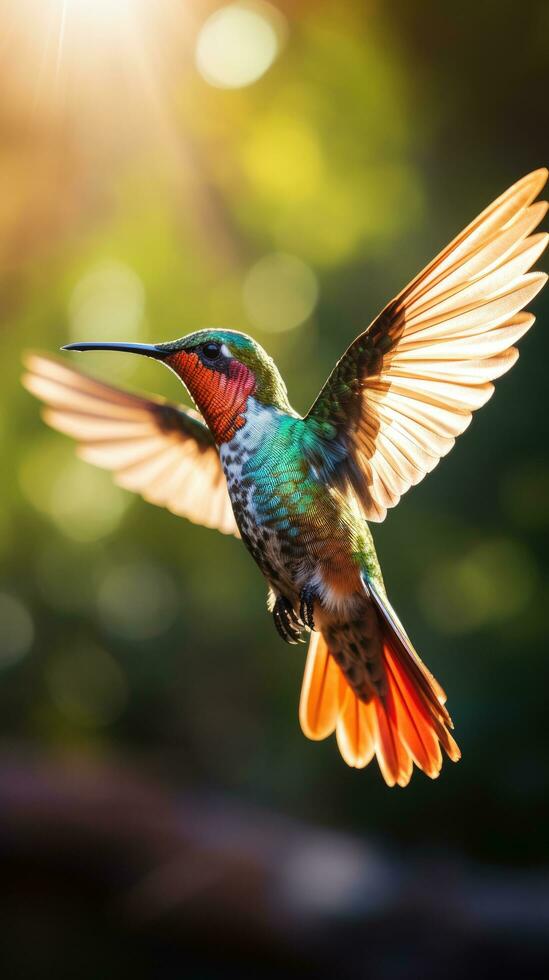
[(211, 350)]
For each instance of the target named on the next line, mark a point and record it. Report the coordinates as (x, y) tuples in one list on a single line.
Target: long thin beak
[(148, 350)]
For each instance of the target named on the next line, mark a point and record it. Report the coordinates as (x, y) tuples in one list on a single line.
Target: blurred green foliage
[(379, 131)]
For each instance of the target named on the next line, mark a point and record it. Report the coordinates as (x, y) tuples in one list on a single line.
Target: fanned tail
[(407, 723)]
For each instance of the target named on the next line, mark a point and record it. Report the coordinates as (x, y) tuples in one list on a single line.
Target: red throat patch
[(220, 397)]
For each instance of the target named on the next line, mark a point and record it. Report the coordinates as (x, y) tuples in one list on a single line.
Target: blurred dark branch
[(268, 888)]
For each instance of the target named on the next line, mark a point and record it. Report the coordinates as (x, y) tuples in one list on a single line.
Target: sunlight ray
[(61, 40)]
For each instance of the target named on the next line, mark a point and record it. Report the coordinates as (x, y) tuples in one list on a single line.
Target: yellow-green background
[(380, 130)]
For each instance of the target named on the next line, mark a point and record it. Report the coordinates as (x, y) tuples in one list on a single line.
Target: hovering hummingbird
[(299, 490)]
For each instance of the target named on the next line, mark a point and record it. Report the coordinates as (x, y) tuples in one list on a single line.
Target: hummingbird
[(301, 491)]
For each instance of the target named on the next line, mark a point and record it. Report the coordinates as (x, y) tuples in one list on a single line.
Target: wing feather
[(159, 450), (407, 387)]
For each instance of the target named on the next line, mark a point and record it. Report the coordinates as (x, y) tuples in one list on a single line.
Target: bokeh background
[(282, 169)]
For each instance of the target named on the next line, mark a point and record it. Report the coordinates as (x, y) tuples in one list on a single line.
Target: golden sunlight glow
[(56, 27), (94, 9), (104, 63), (239, 43)]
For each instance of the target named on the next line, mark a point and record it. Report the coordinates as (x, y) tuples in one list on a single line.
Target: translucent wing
[(407, 387), (158, 449)]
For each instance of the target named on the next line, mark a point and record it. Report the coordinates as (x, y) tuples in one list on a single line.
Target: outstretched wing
[(406, 388), (160, 450)]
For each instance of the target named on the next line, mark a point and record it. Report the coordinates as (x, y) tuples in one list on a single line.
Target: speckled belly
[(300, 532), (281, 558)]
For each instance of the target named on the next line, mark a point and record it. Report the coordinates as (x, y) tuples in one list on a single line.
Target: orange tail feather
[(406, 725)]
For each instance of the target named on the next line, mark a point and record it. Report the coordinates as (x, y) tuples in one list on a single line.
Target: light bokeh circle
[(239, 43), (280, 292)]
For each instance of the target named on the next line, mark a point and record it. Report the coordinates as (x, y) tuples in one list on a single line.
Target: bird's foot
[(307, 600), (286, 621)]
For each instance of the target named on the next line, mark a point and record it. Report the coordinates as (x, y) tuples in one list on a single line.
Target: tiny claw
[(284, 617), (307, 607), (292, 613), (289, 635)]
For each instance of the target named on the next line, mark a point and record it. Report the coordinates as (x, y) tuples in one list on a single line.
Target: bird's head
[(221, 369)]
